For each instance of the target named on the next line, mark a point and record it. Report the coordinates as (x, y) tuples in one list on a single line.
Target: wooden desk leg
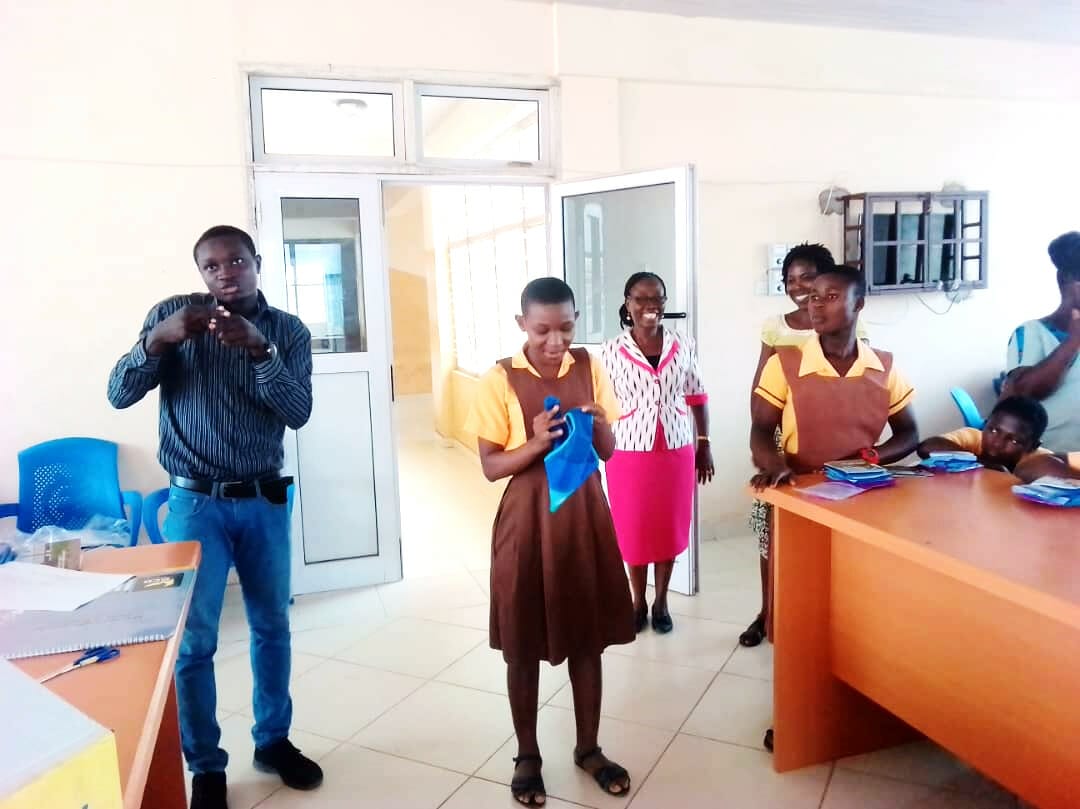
[(165, 788), (817, 718)]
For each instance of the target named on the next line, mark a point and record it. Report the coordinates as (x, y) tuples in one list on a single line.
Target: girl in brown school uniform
[(558, 587)]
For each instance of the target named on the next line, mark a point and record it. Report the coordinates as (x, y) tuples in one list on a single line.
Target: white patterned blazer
[(647, 396)]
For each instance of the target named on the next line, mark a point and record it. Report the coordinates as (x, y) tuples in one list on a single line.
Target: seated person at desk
[(831, 397), (1043, 353), (1011, 434)]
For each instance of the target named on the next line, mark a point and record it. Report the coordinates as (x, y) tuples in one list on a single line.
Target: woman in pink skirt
[(661, 442)]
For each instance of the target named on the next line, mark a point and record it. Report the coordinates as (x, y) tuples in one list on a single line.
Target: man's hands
[(236, 331), (181, 325), (192, 320)]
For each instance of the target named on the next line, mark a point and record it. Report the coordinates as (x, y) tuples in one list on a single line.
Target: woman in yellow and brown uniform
[(558, 587), (832, 397)]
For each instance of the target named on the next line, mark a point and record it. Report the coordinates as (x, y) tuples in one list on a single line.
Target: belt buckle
[(224, 486)]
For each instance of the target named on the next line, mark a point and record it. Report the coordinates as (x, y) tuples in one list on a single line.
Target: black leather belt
[(273, 485)]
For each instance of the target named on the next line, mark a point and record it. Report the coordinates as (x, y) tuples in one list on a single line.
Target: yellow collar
[(519, 360), (814, 361)]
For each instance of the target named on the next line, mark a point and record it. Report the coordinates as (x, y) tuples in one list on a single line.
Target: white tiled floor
[(399, 697)]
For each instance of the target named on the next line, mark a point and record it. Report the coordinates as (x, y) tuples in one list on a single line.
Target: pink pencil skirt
[(652, 501)]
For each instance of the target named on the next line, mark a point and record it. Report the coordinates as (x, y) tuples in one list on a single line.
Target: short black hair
[(816, 255), (1065, 253), (224, 232), (852, 275), (1029, 411), (546, 291), (624, 314)]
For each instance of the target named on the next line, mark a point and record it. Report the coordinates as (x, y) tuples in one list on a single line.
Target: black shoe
[(208, 791), (297, 771), (641, 618), (754, 634), (661, 622), (768, 740)]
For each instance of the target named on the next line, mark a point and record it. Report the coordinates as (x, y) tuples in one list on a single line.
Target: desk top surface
[(126, 694), (968, 524)]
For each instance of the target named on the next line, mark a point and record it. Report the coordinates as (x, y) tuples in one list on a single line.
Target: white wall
[(770, 115), (124, 136)]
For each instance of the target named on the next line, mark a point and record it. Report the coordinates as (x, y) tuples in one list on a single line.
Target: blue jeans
[(253, 535)]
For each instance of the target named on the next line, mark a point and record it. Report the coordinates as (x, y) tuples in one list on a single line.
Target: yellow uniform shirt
[(496, 415), (970, 440), (773, 385)]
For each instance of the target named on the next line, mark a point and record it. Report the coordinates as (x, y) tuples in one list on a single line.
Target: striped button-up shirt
[(222, 415)]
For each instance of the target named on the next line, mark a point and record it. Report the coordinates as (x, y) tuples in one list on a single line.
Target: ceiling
[(1056, 21)]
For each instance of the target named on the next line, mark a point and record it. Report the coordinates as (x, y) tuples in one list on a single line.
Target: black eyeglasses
[(643, 300)]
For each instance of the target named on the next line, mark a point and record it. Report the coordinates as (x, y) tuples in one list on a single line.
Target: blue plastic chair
[(968, 409), (66, 482), (159, 497)]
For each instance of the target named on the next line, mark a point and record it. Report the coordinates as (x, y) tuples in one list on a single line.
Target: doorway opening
[(458, 256)]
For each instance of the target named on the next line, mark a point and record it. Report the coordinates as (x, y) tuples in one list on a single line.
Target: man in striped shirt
[(232, 373)]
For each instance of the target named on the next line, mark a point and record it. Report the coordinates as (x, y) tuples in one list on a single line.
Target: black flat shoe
[(641, 618), (662, 623), (296, 770), (768, 740), (208, 791), (754, 634)]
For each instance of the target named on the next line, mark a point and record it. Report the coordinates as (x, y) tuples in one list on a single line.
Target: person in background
[(830, 398), (1043, 353), (233, 373), (558, 587), (1012, 433), (800, 267), (661, 450)]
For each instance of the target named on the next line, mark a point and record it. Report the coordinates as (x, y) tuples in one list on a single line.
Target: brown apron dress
[(835, 416), (558, 586)]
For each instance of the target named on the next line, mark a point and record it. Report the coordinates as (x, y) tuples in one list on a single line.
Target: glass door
[(320, 236), (605, 230)]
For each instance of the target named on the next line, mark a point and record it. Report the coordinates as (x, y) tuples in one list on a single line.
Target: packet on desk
[(832, 490)]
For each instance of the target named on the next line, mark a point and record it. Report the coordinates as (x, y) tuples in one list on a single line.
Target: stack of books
[(952, 462), (859, 473), (1051, 491)]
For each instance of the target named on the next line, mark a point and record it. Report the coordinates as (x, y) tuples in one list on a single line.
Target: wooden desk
[(944, 606), (133, 695)]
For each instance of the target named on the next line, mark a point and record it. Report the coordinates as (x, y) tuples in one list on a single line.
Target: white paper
[(25, 586)]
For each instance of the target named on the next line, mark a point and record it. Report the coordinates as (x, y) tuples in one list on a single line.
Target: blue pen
[(99, 654)]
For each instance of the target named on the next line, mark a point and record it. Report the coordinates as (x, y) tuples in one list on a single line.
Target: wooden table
[(944, 606), (133, 695)]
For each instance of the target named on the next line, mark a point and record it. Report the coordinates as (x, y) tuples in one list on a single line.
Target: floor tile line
[(550, 796), (744, 676), (671, 741), (490, 758), (458, 789), (454, 662), (399, 756)]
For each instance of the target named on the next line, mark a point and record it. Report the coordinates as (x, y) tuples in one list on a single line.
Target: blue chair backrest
[(66, 482), (968, 409)]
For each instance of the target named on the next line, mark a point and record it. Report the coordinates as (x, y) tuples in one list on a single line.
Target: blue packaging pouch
[(572, 459)]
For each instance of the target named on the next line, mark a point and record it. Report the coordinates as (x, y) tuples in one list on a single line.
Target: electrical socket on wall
[(774, 281)]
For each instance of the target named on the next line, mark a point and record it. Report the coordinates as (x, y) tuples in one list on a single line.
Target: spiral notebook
[(146, 608)]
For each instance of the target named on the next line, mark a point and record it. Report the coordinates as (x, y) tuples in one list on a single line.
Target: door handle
[(674, 315)]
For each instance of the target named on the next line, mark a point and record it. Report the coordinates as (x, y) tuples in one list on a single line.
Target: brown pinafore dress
[(835, 416), (558, 586)]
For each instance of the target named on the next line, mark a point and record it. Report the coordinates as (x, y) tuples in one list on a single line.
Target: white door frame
[(270, 188), (685, 577)]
